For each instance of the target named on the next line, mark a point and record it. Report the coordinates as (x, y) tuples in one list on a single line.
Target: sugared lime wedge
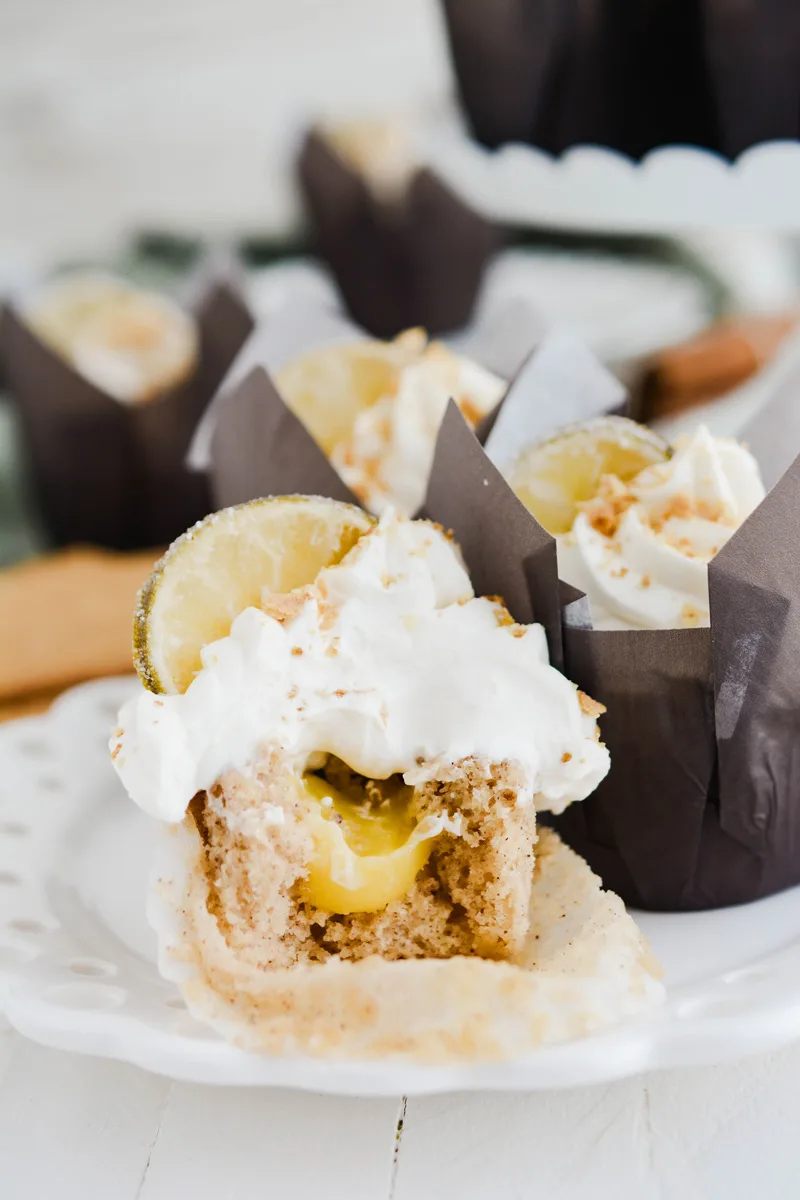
[(554, 476), (328, 388), (230, 561)]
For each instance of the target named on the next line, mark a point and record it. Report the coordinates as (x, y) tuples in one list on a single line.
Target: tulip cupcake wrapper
[(560, 74), (702, 805), (110, 473), (417, 261)]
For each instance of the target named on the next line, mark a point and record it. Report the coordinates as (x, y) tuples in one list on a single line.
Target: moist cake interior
[(471, 898)]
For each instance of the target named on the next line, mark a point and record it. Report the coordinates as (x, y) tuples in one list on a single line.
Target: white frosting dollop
[(130, 343), (651, 570), (387, 458), (391, 664)]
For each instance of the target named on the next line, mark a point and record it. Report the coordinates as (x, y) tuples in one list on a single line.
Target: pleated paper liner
[(417, 261), (753, 61), (109, 473), (702, 805), (632, 77)]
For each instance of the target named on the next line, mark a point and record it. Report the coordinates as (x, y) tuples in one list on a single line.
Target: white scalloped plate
[(77, 967), (590, 188)]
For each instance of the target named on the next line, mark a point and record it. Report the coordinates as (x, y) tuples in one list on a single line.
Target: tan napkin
[(65, 618)]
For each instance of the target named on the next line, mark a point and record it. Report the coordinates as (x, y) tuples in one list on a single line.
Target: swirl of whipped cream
[(640, 551), (388, 456), (390, 663)]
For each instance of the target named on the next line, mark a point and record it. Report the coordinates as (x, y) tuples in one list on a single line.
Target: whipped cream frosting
[(640, 551), (390, 663), (388, 456), (131, 343)]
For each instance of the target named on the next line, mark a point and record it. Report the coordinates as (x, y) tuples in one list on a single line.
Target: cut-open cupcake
[(348, 749)]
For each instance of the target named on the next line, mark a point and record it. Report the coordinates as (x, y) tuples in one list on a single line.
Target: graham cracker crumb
[(592, 708), (284, 606), (691, 615)]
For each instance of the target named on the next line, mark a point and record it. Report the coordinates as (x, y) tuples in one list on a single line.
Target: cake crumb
[(592, 708)]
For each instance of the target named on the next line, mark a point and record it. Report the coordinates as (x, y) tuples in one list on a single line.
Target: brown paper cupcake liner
[(559, 73), (108, 473), (418, 261), (753, 56)]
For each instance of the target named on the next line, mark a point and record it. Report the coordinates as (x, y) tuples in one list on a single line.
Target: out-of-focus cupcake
[(395, 871), (404, 248), (110, 381), (383, 446), (633, 77), (133, 344), (753, 56)]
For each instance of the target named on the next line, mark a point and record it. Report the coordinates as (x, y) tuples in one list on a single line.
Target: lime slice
[(328, 388), (554, 476), (230, 561)]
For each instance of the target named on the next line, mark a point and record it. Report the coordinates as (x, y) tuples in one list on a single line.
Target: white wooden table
[(85, 1129)]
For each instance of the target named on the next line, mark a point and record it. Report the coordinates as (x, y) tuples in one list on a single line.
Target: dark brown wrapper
[(225, 322), (104, 472), (507, 552), (509, 61), (260, 448), (419, 261), (560, 73), (753, 55), (702, 804)]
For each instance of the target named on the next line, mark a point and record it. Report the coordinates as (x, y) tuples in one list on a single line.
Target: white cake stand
[(673, 190)]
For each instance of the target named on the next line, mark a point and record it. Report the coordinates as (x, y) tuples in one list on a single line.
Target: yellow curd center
[(366, 854)]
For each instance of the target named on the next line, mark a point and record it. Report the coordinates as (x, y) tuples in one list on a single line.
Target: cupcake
[(681, 616), (557, 75), (110, 381), (348, 862), (405, 250), (311, 381), (132, 344), (374, 408)]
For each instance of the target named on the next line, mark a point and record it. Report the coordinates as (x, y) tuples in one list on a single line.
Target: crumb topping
[(590, 707)]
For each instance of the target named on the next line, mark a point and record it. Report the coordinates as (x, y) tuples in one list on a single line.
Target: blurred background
[(115, 117)]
